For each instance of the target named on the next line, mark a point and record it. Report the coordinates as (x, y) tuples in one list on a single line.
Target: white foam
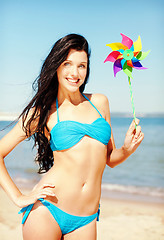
[(144, 191)]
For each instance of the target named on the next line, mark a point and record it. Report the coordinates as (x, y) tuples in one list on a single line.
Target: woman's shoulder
[(100, 101), (98, 98)]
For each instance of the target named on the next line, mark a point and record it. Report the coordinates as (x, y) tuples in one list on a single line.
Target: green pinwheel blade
[(142, 55), (127, 70)]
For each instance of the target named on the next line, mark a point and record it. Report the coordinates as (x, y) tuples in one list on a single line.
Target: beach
[(119, 220), (131, 220)]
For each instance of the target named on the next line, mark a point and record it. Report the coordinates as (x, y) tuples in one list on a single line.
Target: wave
[(27, 183), (8, 118), (134, 190)]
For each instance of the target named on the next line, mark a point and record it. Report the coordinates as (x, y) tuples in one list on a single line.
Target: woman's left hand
[(133, 138)]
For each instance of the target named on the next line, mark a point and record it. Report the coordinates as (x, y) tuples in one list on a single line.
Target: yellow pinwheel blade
[(116, 46), (137, 45)]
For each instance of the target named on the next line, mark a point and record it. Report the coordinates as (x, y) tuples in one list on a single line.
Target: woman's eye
[(82, 66), (66, 64)]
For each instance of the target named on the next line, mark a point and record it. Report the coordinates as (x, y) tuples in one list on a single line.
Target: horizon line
[(6, 116)]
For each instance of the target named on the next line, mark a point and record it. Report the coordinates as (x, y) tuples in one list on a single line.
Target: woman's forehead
[(77, 55)]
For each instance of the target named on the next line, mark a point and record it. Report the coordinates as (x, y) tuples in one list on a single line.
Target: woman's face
[(72, 72)]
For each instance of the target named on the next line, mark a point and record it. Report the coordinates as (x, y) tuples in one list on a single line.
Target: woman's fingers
[(136, 122), (49, 192), (41, 196), (138, 132), (45, 185), (44, 190), (38, 192), (140, 138), (45, 193), (133, 126)]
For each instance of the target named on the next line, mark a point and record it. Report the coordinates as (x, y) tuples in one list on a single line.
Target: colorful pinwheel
[(126, 56)]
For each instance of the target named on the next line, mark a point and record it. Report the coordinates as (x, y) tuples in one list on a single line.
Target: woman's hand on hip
[(42, 191)]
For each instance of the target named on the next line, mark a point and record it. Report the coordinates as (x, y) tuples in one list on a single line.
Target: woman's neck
[(66, 96)]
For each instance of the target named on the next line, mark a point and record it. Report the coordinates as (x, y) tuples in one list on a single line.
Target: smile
[(73, 80)]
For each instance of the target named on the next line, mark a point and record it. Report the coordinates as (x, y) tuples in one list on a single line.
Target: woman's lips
[(71, 80)]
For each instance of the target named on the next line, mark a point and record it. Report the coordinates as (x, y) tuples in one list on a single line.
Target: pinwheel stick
[(132, 101), (126, 56)]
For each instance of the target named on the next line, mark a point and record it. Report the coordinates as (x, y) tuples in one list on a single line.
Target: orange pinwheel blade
[(129, 63)]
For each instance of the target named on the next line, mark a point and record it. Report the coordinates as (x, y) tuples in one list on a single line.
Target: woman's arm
[(132, 140), (7, 144)]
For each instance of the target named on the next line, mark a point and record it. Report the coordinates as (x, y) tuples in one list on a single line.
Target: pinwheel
[(126, 56)]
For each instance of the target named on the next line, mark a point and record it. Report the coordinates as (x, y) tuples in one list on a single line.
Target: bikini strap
[(26, 210), (57, 109), (92, 104)]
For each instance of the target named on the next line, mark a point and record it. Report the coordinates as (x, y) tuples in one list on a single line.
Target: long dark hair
[(46, 88)]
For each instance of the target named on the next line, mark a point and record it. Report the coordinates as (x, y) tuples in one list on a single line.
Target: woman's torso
[(77, 171)]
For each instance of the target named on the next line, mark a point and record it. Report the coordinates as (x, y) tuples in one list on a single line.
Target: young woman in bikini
[(73, 136)]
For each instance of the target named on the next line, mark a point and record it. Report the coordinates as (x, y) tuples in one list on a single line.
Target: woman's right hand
[(38, 192)]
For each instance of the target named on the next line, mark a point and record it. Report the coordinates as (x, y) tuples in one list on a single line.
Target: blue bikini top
[(65, 134)]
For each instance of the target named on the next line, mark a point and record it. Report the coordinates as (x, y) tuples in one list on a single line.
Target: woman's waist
[(74, 195), (73, 179)]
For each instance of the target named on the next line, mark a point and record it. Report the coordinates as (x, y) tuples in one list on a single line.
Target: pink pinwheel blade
[(126, 41), (138, 65), (117, 66), (112, 56)]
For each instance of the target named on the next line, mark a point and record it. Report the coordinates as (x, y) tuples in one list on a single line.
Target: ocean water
[(140, 176)]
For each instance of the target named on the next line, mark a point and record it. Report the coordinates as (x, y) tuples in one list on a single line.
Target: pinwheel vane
[(126, 56)]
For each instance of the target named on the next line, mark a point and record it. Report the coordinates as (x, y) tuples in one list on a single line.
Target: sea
[(140, 177)]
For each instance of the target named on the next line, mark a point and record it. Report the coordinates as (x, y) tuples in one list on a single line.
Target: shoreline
[(8, 117), (13, 116), (119, 219), (133, 197)]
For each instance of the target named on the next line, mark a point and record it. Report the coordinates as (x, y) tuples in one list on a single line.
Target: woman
[(72, 132)]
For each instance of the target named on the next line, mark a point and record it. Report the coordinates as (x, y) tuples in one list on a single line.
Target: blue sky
[(28, 29)]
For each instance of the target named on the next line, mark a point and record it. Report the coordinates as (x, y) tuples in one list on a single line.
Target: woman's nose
[(74, 71)]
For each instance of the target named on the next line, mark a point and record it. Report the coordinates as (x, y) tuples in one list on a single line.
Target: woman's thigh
[(87, 232), (41, 225)]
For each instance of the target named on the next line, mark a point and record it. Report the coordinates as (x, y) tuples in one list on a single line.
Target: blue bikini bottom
[(67, 222)]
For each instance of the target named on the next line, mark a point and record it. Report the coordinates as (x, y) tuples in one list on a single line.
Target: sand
[(119, 220), (131, 220)]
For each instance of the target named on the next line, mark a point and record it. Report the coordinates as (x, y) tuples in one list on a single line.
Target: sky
[(28, 30)]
